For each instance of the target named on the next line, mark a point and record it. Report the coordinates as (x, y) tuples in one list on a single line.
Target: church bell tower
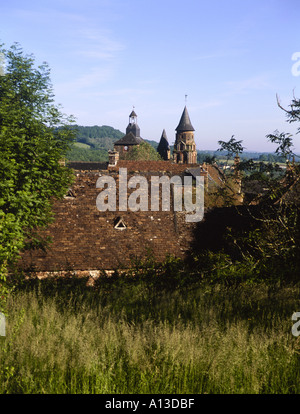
[(185, 148)]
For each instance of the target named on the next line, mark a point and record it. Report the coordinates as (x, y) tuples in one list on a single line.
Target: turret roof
[(133, 114), (164, 140), (129, 139), (185, 122)]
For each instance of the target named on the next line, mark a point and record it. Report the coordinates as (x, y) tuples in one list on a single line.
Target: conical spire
[(185, 122), (163, 146), (164, 140)]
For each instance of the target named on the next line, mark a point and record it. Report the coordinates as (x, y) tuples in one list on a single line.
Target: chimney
[(113, 158)]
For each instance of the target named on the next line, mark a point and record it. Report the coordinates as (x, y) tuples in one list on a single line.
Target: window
[(70, 194), (119, 224), (182, 146)]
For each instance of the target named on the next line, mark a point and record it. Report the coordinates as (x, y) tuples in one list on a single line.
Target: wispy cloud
[(90, 85), (219, 54), (257, 83), (97, 44), (76, 34), (90, 79)]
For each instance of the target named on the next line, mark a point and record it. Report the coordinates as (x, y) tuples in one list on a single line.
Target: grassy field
[(130, 336)]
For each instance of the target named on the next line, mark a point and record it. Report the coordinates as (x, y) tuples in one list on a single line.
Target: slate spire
[(185, 122), (163, 147)]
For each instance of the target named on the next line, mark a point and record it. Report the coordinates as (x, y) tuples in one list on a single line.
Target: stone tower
[(131, 139), (185, 148), (133, 126), (163, 147)]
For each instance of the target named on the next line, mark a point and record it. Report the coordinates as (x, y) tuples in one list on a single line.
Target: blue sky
[(230, 57)]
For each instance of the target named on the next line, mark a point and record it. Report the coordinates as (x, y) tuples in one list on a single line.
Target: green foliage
[(81, 145), (206, 157), (284, 142), (31, 147), (97, 137), (153, 144), (1, 64), (276, 238), (272, 158), (259, 170), (282, 139), (85, 154), (293, 114), (93, 143), (232, 147), (143, 152)]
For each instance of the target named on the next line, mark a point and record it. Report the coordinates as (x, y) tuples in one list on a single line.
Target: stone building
[(88, 241), (184, 149)]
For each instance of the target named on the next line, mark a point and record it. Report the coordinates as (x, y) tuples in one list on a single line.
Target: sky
[(224, 59)]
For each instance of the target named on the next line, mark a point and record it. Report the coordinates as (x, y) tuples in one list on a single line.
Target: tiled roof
[(153, 166), (213, 171), (215, 174)]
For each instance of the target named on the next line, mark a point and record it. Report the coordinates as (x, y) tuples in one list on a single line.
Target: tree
[(293, 115), (32, 145), (143, 152), (282, 139), (275, 240), (284, 142), (210, 159), (1, 64), (232, 147)]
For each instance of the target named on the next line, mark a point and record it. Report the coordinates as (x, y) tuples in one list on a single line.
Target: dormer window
[(119, 224), (70, 194)]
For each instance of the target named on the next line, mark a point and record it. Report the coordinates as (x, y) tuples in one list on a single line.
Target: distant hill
[(259, 156), (98, 137), (93, 142), (154, 144)]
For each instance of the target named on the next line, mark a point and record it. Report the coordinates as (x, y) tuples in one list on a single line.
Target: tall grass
[(126, 338)]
